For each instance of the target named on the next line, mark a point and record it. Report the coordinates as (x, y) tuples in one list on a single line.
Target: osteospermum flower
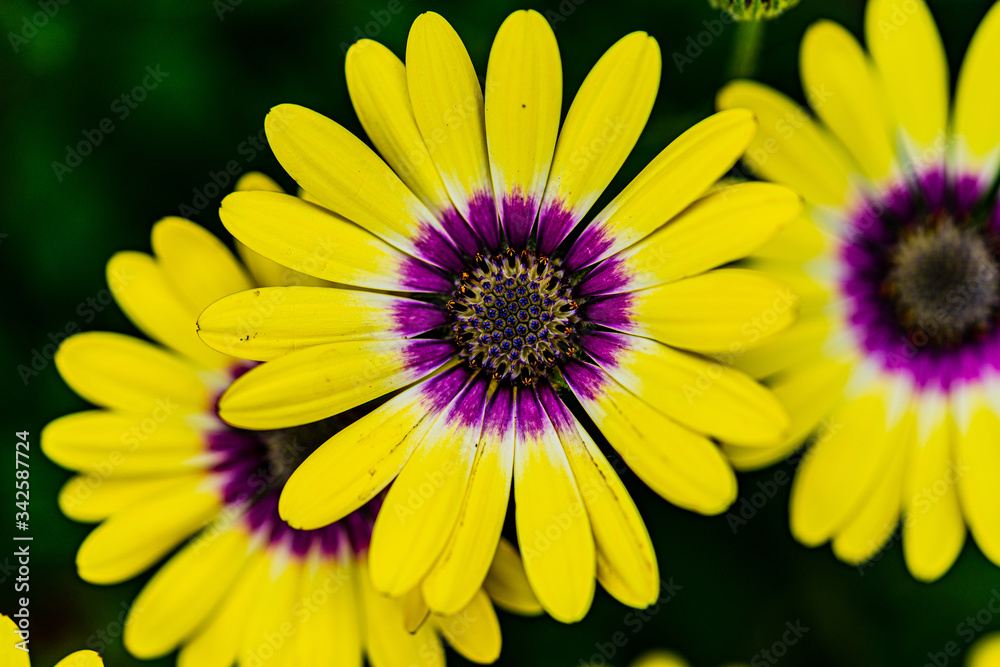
[(158, 467), (500, 311), (13, 655), (898, 347)]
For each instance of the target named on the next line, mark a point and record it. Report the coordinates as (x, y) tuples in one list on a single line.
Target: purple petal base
[(517, 216), (554, 223)]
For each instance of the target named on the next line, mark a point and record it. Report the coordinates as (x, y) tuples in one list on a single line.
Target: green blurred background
[(223, 64)]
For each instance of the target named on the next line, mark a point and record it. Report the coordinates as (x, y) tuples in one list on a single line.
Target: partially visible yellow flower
[(161, 472), (985, 652), (895, 360), (13, 656)]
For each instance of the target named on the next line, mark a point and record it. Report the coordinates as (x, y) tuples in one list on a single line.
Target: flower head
[(157, 467), (754, 10), (473, 295), (897, 353)]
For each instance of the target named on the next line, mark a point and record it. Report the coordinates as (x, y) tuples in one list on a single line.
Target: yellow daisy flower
[(158, 466), (897, 351), (505, 313), (15, 656), (984, 653)]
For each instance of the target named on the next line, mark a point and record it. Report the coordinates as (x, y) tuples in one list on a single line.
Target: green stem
[(746, 50)]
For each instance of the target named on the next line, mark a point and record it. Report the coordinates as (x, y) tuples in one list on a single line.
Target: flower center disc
[(946, 281), (514, 316)]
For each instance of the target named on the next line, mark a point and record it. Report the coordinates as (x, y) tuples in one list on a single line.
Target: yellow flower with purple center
[(897, 350), (157, 467), (468, 291)]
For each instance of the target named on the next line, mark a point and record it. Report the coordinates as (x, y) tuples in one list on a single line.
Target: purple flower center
[(922, 280), (513, 314), (254, 467)]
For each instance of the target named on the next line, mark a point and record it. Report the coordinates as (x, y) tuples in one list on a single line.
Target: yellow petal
[(601, 128), (798, 241), (507, 584), (933, 528), (681, 173), (143, 291), (876, 520), (268, 273), (387, 642), (809, 393), (94, 497), (135, 538), (354, 465), (345, 176), (265, 638), (907, 49), (463, 565), (255, 180), (315, 241), (553, 529), (685, 468), (267, 323), (626, 564), (977, 97), (217, 641), (127, 373), (789, 147), (78, 659), (448, 107), (660, 659), (329, 628), (977, 456), (723, 227), (198, 265), (703, 395), (11, 655), (799, 344), (423, 505), (725, 310), (841, 469), (523, 105), (474, 632), (376, 80), (319, 382), (115, 443), (837, 78), (182, 594)]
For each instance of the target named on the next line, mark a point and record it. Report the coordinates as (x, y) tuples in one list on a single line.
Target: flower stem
[(749, 39)]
